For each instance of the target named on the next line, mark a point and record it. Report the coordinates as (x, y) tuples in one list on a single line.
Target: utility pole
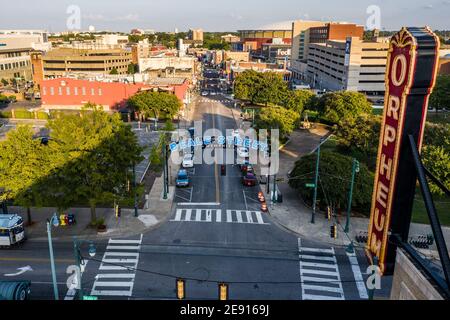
[(274, 198), (355, 169)]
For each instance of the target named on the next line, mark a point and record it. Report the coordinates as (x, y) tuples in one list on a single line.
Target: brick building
[(67, 93)]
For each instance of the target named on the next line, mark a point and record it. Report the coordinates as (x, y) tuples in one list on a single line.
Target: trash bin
[(71, 219), (62, 220), (15, 290)]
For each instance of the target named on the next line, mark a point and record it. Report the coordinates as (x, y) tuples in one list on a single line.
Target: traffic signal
[(223, 291), (181, 289), (333, 231), (329, 213)]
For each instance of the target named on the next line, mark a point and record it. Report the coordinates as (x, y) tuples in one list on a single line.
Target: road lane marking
[(319, 280), (198, 216), (188, 215), (249, 217), (106, 283), (362, 291)]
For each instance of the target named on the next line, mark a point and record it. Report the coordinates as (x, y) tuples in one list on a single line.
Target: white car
[(188, 161), (243, 152), (213, 93), (204, 93)]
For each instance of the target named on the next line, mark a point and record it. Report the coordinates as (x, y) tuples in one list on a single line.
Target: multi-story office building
[(15, 48), (276, 53), (195, 35), (58, 62), (353, 65), (306, 32)]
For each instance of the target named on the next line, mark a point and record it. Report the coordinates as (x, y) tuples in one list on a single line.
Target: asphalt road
[(216, 234)]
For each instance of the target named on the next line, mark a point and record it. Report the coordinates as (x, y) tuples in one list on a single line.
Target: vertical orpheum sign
[(410, 76)]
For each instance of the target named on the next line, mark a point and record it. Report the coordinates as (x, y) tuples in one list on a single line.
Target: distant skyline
[(114, 15)]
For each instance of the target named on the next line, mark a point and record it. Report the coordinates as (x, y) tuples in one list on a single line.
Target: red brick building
[(68, 93)]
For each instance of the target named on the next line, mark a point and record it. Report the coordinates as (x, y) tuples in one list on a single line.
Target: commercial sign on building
[(410, 78), (348, 48)]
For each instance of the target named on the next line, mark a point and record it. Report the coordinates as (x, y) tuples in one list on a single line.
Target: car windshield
[(188, 157), (182, 176)]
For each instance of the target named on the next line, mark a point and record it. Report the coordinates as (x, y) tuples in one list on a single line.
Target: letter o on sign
[(403, 63)]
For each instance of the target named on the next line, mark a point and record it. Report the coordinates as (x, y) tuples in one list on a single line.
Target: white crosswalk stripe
[(215, 215), (319, 274), (121, 257)]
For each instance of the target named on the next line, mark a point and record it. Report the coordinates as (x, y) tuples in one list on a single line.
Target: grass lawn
[(420, 214)]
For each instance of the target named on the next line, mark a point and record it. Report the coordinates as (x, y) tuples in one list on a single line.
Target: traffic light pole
[(165, 173), (316, 181), (350, 195), (76, 253), (52, 260), (136, 213)]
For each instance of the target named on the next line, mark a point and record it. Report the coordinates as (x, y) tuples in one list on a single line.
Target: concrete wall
[(409, 282)]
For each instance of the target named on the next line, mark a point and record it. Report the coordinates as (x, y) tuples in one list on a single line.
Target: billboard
[(348, 48), (410, 78)]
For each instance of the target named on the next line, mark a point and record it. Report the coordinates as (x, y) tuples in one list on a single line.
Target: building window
[(75, 91), (99, 91), (83, 91), (60, 91), (52, 91), (68, 91), (92, 92)]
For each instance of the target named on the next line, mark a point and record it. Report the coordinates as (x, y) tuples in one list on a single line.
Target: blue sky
[(229, 15)]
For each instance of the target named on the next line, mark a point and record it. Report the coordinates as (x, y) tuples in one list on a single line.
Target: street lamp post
[(80, 261), (165, 173), (355, 169), (54, 220)]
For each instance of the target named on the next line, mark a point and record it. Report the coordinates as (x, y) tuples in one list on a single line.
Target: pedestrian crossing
[(219, 216), (319, 274), (118, 269), (214, 101)]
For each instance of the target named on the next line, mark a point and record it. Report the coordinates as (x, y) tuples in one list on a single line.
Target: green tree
[(94, 153), (246, 85), (437, 160), (271, 88), (23, 162), (154, 104), (338, 106), (132, 68), (114, 71), (335, 174), (277, 118), (4, 82), (360, 136), (298, 100), (440, 98)]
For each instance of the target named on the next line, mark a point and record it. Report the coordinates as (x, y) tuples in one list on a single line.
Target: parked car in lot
[(188, 161), (204, 93), (183, 179), (249, 180), (243, 152)]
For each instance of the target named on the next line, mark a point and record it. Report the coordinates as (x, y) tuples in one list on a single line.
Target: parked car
[(249, 180), (243, 152), (183, 179), (204, 93), (188, 161)]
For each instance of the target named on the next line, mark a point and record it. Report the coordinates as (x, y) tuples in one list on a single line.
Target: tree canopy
[(277, 118), (440, 98), (154, 104), (335, 175), (86, 160)]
